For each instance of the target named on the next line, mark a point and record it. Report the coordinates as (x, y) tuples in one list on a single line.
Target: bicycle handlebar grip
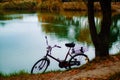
[(57, 46)]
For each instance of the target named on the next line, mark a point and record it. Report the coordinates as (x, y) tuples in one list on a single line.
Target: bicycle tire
[(40, 66), (77, 60)]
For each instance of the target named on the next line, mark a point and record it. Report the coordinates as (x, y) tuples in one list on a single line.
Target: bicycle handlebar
[(46, 40), (57, 46), (49, 45)]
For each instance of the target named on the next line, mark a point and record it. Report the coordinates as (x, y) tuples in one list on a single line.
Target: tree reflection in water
[(74, 26)]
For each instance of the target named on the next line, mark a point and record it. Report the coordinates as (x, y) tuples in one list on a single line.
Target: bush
[(19, 6), (50, 5)]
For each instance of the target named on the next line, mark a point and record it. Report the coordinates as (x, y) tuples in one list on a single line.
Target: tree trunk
[(100, 40)]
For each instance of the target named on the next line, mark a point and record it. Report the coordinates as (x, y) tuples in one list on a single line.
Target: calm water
[(22, 37)]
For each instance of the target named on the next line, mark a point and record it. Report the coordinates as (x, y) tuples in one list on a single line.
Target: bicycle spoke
[(78, 60), (40, 66)]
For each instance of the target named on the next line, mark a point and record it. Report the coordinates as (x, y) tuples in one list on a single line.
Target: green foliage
[(22, 72), (53, 71), (1, 74)]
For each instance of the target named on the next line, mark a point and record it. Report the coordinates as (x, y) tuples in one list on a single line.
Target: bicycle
[(75, 60)]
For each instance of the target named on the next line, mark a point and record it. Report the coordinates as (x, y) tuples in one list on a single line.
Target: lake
[(22, 37)]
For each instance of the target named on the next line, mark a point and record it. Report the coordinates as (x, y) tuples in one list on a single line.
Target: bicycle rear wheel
[(78, 60), (40, 66)]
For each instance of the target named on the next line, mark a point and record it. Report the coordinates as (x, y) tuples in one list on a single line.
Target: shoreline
[(87, 71)]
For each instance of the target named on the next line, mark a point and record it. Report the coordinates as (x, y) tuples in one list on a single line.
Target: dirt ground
[(95, 70)]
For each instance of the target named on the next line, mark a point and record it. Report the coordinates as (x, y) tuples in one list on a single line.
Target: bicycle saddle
[(70, 44)]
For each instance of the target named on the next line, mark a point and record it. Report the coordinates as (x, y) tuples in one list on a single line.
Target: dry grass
[(50, 5)]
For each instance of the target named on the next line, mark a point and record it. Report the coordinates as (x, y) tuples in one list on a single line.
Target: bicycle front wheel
[(40, 66), (78, 60)]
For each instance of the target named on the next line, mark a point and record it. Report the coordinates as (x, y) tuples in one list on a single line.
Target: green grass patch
[(22, 72), (52, 71)]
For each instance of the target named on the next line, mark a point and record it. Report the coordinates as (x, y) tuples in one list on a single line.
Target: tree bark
[(100, 40)]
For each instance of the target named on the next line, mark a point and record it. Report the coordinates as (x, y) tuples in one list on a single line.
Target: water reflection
[(22, 37), (67, 26), (115, 34)]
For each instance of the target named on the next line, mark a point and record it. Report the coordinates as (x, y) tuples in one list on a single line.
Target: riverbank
[(51, 6), (98, 69)]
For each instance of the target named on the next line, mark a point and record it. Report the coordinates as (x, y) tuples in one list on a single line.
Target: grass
[(52, 71), (22, 72)]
